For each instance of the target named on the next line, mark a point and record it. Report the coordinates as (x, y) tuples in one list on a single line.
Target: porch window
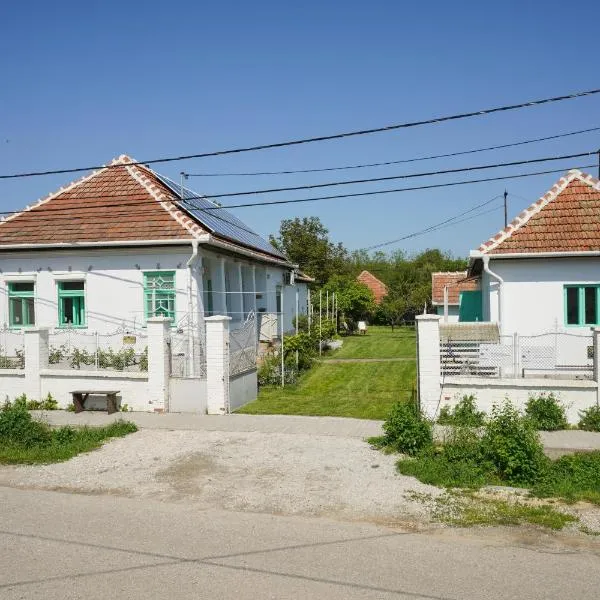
[(71, 304), (159, 294), (581, 304), (21, 306), (209, 297)]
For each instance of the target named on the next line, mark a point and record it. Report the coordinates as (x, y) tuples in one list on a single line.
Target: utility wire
[(396, 162), (437, 225), (322, 138), (41, 215), (405, 176)]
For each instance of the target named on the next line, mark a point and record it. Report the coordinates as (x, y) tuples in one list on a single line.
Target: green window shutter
[(470, 306), (71, 304), (21, 304), (159, 294)]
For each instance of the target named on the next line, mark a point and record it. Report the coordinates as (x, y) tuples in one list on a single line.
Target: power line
[(405, 176), (436, 226), (321, 138), (42, 214), (397, 162)]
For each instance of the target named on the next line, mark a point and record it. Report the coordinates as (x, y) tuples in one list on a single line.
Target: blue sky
[(87, 81)]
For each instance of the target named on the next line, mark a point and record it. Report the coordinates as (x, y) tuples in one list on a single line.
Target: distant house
[(124, 244), (542, 273), (455, 297), (378, 288)]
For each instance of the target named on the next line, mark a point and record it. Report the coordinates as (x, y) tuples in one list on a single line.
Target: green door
[(470, 306)]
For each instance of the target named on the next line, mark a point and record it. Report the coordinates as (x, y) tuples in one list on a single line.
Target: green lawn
[(359, 390), (379, 342)]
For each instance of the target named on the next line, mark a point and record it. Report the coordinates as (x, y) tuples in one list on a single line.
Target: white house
[(123, 244), (542, 273)]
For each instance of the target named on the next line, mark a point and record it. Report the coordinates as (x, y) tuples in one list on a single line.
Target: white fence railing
[(242, 347), (557, 354), (12, 349), (120, 350)]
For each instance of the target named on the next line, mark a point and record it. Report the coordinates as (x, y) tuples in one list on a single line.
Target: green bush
[(464, 414), (301, 322), (512, 445), (64, 435), (17, 428), (546, 412), (572, 478), (406, 430), (49, 403), (269, 372), (589, 419), (306, 347)]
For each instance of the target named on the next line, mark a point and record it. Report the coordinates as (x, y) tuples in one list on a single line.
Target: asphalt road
[(60, 546)]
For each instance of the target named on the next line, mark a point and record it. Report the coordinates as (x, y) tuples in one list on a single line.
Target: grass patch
[(26, 441), (359, 390), (379, 342)]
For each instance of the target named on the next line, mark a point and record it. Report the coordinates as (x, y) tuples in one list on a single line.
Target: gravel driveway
[(276, 473)]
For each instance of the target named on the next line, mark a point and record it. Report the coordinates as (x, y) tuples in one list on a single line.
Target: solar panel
[(218, 220)]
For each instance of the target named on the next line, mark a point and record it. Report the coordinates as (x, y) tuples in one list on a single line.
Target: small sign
[(129, 340), (590, 351)]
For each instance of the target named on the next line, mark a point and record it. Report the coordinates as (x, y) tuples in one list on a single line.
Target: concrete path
[(56, 546), (334, 426), (555, 442)]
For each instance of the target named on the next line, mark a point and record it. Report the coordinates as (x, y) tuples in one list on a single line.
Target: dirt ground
[(275, 473)]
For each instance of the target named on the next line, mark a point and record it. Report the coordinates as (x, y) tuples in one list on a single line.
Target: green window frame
[(582, 304), (71, 304), (159, 294), (21, 304)]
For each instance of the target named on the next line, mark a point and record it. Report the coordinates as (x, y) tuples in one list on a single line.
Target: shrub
[(64, 435), (17, 428), (302, 323), (144, 360), (49, 403), (464, 414), (546, 412), (305, 346), (269, 372), (512, 445), (572, 478), (589, 419), (406, 430)]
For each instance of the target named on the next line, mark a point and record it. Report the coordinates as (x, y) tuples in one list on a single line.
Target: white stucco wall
[(533, 292), (452, 313), (243, 388)]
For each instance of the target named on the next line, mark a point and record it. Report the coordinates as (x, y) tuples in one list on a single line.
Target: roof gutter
[(474, 255), (107, 244), (486, 268)]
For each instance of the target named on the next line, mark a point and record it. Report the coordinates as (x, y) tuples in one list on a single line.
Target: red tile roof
[(455, 283), (123, 202), (565, 219), (378, 288)]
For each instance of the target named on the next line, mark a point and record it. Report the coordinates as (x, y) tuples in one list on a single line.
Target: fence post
[(428, 363), (596, 350), (217, 364), (516, 355), (158, 363), (36, 358)]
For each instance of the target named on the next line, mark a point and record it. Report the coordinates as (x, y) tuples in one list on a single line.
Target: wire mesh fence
[(12, 349), (559, 355), (120, 350), (243, 347)]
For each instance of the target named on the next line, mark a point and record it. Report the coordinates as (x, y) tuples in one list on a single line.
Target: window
[(159, 294), (21, 306), (581, 304), (209, 297), (71, 304)]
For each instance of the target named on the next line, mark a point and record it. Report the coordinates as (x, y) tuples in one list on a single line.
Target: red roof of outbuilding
[(378, 288), (456, 282), (565, 219)]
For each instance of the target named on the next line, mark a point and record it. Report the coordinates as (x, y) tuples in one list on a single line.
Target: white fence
[(121, 350), (243, 347), (560, 355), (12, 349), (474, 359)]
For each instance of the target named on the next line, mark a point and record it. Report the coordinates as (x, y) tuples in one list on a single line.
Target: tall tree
[(306, 243)]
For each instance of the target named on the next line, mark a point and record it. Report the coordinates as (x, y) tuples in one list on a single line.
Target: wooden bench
[(80, 396)]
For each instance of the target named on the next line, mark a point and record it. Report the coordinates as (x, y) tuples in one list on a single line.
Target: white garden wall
[(242, 389)]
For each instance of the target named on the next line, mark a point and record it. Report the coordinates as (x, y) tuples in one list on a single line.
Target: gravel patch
[(253, 471)]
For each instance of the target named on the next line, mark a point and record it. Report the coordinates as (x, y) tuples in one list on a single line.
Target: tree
[(393, 307), (354, 300), (306, 243)]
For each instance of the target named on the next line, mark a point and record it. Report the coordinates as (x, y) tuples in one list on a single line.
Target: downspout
[(191, 321), (486, 268), (446, 303)]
